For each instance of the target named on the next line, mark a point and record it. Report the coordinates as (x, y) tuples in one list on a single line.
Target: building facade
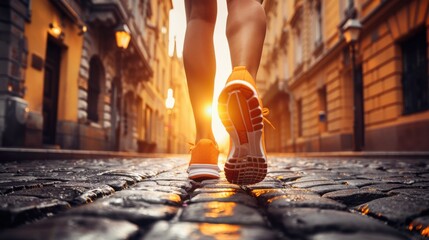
[(66, 83), (371, 95)]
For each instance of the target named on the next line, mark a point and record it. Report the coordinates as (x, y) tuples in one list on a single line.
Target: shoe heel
[(241, 114)]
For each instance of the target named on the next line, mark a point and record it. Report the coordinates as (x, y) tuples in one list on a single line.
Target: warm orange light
[(364, 209), (55, 30), (123, 36), (425, 232), (220, 231), (208, 111), (169, 102), (220, 209)]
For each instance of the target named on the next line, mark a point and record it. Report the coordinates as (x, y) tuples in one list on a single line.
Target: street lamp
[(351, 31), (122, 37), (169, 104)]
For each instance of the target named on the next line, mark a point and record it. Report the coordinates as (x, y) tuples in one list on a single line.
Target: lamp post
[(351, 32), (169, 104), (122, 37)]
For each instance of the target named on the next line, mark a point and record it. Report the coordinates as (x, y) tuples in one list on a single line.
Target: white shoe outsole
[(241, 114)]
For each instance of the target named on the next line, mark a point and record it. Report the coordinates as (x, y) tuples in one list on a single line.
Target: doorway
[(50, 91)]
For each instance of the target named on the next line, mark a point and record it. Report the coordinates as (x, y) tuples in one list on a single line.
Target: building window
[(346, 9), (298, 48), (323, 117), (96, 77), (317, 19), (148, 124), (299, 115), (415, 85), (27, 4)]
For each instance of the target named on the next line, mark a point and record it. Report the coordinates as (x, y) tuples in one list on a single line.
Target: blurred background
[(337, 75)]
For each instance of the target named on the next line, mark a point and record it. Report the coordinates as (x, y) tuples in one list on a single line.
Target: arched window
[(96, 78)]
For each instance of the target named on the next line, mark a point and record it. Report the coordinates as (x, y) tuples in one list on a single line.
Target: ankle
[(197, 139)]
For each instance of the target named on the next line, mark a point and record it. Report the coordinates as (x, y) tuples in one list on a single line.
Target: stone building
[(373, 96), (65, 82), (182, 124)]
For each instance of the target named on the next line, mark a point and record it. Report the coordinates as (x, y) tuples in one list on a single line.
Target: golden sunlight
[(220, 231), (220, 209), (209, 111)]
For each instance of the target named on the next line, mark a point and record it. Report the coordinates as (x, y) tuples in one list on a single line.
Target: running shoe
[(240, 110), (204, 161)]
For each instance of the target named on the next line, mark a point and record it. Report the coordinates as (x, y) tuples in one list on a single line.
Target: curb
[(12, 154)]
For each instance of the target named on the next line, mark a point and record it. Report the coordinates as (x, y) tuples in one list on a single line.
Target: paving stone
[(336, 176), (10, 186), (236, 197), (397, 209), (420, 185), (379, 175), (222, 185), (265, 184), (167, 189), (150, 197), (221, 180), (385, 187), (178, 175), (360, 182), (16, 210), (147, 183), (310, 179), (69, 194), (216, 190), (403, 179), (222, 212), (304, 221), (100, 189), (185, 230), (356, 236), (116, 182), (285, 176), (264, 195), (135, 176), (416, 192), (420, 225), (180, 184), (425, 175), (353, 197), (126, 208), (330, 188), (303, 201), (309, 184), (73, 227)]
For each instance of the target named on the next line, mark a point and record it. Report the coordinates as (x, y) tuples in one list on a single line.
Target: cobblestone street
[(151, 198)]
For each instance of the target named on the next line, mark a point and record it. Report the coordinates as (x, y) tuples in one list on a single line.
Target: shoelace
[(265, 112), (191, 146)]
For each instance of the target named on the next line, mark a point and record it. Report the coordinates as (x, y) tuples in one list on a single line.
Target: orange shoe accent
[(204, 159), (240, 110)]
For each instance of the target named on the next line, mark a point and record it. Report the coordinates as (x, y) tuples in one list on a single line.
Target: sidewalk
[(151, 198)]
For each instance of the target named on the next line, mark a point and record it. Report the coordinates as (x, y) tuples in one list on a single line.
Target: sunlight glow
[(219, 231), (209, 111), (223, 62)]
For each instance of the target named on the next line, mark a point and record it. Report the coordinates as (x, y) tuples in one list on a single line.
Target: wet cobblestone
[(151, 198)]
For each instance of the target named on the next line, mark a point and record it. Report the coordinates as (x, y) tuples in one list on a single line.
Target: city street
[(150, 198)]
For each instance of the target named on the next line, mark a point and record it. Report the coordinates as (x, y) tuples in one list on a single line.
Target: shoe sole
[(241, 114), (200, 172)]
